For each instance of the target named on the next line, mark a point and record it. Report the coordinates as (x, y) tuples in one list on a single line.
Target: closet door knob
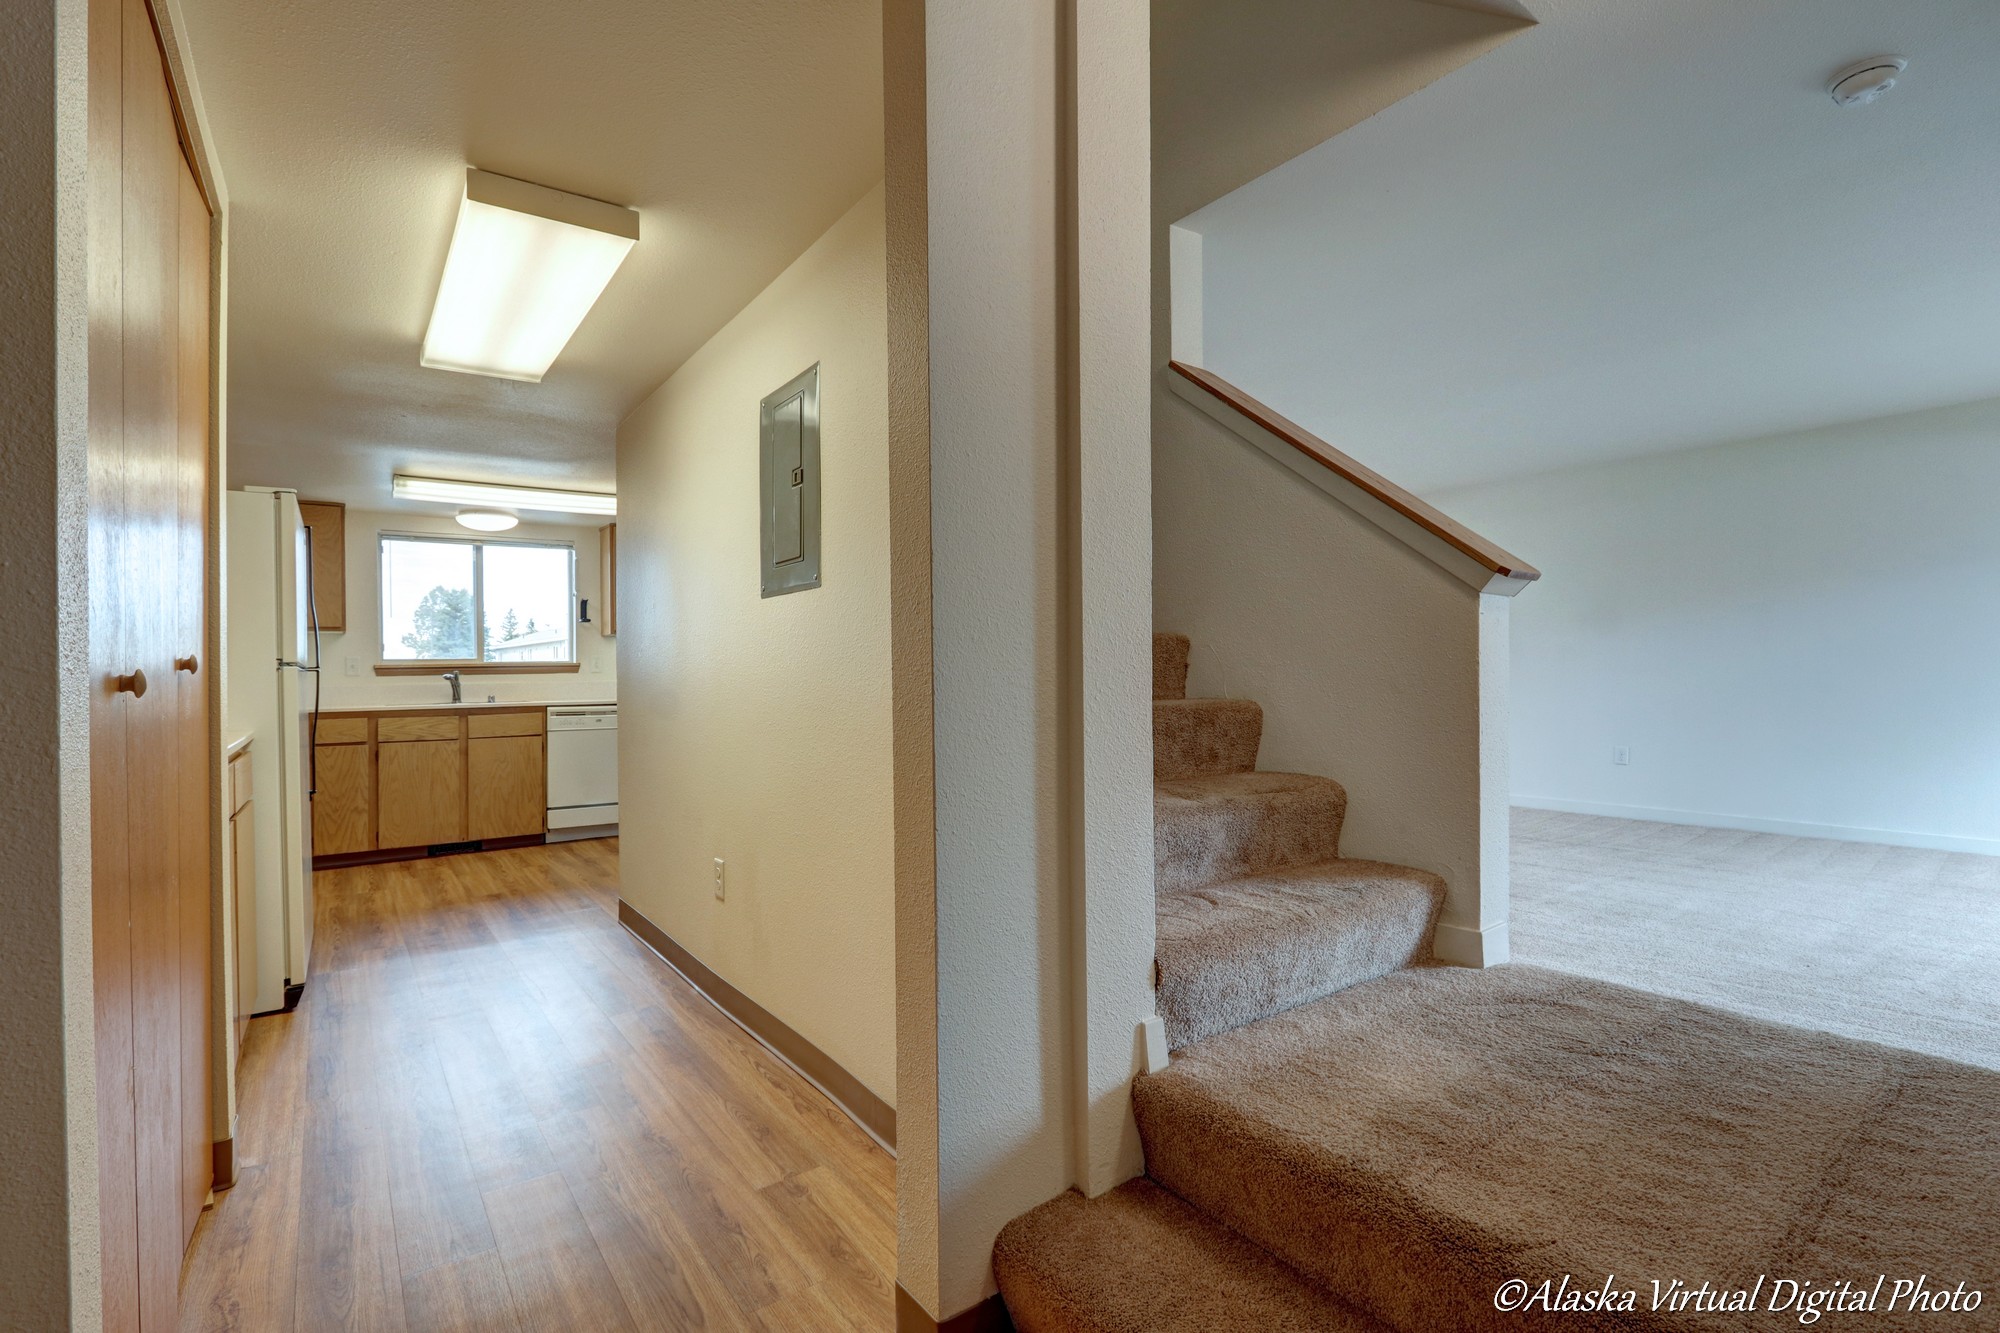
[(134, 684), (187, 664)]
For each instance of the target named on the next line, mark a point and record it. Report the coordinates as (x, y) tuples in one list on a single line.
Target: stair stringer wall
[(1374, 665)]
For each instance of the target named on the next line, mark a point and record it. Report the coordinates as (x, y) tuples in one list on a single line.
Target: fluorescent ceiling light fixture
[(490, 495), (486, 520), (525, 266)]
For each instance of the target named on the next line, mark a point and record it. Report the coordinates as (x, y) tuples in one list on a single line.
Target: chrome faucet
[(452, 676)]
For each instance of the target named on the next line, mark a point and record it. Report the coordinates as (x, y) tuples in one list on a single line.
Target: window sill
[(476, 668)]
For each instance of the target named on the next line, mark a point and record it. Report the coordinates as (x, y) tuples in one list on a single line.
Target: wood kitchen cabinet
[(506, 775), (400, 781), (343, 810), (328, 523), (504, 785), (420, 792)]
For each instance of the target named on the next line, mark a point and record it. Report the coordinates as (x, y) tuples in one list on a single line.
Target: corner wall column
[(1016, 163), (48, 1168)]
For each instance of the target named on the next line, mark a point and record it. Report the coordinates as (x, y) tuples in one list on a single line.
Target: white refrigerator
[(273, 692)]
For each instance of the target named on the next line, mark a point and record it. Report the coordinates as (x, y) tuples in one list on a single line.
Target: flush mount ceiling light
[(490, 495), (486, 520), (525, 266), (1865, 80)]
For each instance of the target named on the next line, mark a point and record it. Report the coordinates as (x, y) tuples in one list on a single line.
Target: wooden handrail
[(1355, 473)]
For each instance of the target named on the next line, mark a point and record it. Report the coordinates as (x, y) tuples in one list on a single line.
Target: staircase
[(1256, 911), (1348, 1140)]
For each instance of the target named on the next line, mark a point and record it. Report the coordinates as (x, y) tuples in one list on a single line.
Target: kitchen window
[(498, 603)]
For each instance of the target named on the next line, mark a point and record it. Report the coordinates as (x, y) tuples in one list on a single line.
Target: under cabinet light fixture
[(491, 495), (526, 264)]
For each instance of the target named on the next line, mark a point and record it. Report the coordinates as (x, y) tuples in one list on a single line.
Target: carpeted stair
[(1256, 911), (1345, 1142)]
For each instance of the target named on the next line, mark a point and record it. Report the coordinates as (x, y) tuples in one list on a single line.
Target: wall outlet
[(597, 663), (353, 666), (1621, 754), (719, 893)]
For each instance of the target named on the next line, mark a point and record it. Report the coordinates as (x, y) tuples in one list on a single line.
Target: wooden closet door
[(198, 782), (110, 887), (151, 769), (152, 206)]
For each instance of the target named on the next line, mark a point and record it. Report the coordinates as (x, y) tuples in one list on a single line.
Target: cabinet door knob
[(187, 664), (134, 684)]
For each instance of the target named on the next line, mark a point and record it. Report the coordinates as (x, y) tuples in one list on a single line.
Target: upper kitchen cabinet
[(327, 522), (607, 582)]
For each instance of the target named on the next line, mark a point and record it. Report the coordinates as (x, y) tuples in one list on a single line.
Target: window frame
[(385, 664)]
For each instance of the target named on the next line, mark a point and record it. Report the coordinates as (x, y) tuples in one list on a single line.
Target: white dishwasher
[(583, 771)]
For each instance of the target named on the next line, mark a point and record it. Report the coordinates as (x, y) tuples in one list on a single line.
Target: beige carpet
[(1256, 909), (1411, 1144), (1138, 1260), (1233, 953), (1416, 1142), (1891, 944)]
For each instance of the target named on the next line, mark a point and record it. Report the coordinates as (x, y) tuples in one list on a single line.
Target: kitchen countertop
[(436, 705), (234, 743)]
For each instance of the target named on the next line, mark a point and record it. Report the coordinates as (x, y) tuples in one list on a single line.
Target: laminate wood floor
[(496, 1110)]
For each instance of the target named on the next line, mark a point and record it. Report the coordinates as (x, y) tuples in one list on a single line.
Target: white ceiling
[(740, 132), (1634, 228)]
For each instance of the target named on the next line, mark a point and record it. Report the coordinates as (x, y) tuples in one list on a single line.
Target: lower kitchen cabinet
[(343, 816), (402, 781), (420, 793), (505, 781)]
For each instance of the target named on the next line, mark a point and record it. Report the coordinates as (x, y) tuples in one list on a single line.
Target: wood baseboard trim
[(818, 1068), (989, 1316), (223, 1159)]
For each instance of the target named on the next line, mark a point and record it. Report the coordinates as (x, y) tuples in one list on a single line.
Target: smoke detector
[(1865, 80)]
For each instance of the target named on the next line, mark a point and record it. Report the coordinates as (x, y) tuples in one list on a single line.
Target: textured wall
[(754, 729), (1794, 633), (48, 1122), (1004, 1021), (1112, 593), (1363, 653)]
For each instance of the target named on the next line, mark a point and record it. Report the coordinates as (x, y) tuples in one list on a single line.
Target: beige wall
[(1240, 88), (1375, 665), (1017, 169), (48, 1135), (998, 1042), (1111, 592), (1791, 634), (361, 641), (758, 730)]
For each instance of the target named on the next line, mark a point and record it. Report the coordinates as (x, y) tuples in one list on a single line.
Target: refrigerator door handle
[(312, 724)]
